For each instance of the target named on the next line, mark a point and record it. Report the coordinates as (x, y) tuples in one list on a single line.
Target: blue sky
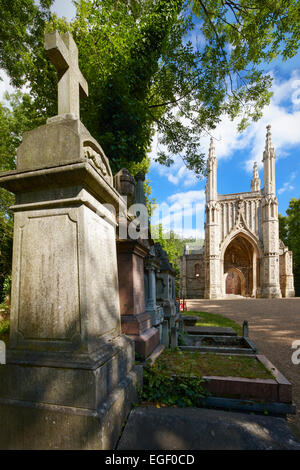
[(176, 186)]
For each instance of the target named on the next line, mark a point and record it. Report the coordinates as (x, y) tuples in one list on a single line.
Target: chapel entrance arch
[(240, 274)]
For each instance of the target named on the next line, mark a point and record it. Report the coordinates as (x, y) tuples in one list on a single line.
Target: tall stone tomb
[(242, 254), (136, 321), (70, 378)]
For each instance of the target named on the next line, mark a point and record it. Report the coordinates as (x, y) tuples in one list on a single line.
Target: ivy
[(181, 391)]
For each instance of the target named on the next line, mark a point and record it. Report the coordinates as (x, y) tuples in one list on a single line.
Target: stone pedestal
[(156, 311), (165, 334), (165, 282), (136, 322), (70, 377)]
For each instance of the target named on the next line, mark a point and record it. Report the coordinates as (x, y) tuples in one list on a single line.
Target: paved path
[(273, 325), (201, 429)]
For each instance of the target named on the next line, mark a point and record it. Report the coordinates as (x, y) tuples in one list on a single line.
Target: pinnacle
[(269, 144), (212, 153)]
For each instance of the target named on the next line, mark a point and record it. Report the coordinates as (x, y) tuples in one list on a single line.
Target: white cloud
[(287, 186), (177, 174), (64, 8), (187, 198), (183, 212), (283, 114), (5, 84)]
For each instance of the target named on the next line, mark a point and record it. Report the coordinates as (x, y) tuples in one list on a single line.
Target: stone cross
[(63, 53)]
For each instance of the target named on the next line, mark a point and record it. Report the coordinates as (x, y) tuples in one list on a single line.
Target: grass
[(199, 364), (214, 319)]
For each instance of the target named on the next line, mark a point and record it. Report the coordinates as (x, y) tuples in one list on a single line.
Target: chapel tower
[(212, 230), (242, 254), (270, 228)]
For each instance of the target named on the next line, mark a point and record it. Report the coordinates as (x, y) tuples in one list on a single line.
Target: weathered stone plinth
[(156, 312), (70, 407), (135, 322), (70, 377), (165, 292), (271, 292)]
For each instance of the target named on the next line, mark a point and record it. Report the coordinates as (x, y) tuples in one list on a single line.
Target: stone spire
[(269, 165), (270, 268), (269, 146), (212, 150), (255, 183), (211, 185), (212, 229)]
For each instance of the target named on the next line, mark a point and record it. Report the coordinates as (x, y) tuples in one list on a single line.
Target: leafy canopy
[(289, 232), (171, 66)]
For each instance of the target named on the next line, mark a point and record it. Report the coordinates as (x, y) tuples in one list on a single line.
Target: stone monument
[(165, 278), (135, 320), (70, 377), (152, 267)]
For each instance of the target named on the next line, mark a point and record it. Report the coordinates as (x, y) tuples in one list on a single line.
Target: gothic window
[(197, 270)]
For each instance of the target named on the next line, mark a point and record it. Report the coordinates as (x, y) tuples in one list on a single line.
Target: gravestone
[(152, 267), (135, 321), (165, 295), (2, 352), (70, 378), (245, 328)]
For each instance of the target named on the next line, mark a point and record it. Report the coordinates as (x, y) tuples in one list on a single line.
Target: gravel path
[(273, 326)]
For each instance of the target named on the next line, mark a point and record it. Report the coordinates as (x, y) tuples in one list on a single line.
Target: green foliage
[(172, 244), (4, 329), (17, 116), (289, 232), (148, 72), (181, 338), (22, 25), (170, 241), (181, 391), (194, 363), (6, 285), (6, 233), (283, 228)]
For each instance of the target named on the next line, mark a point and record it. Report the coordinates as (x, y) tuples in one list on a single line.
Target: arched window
[(197, 270)]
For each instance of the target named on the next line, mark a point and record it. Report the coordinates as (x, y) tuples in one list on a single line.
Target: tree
[(289, 230), (7, 148), (145, 74), (22, 23), (173, 246), (283, 229)]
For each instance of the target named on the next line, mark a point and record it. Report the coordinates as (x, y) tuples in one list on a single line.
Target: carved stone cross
[(63, 53)]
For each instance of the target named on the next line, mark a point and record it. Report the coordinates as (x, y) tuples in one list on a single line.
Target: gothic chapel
[(242, 253)]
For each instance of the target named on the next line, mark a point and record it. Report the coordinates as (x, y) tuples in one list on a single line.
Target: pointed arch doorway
[(240, 264)]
